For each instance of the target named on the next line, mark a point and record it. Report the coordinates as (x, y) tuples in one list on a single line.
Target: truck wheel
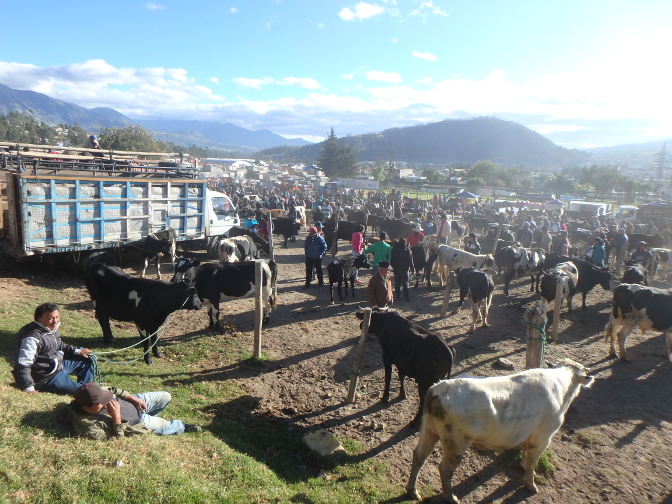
[(99, 256)]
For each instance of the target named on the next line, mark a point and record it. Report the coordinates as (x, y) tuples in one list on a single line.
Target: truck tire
[(98, 256)]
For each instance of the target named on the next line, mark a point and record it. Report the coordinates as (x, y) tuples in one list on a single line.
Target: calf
[(261, 244), (523, 410), (286, 227), (345, 231), (663, 259), (458, 230), (564, 273), (415, 351), (451, 258), (638, 306), (146, 302), (424, 255), (635, 273), (590, 275), (478, 287), (157, 244), (343, 270), (214, 281), (516, 259), (236, 249)]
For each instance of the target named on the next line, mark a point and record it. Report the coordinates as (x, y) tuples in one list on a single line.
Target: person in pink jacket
[(358, 246)]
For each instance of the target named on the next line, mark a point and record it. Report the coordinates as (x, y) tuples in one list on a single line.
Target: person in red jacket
[(358, 247), (415, 237)]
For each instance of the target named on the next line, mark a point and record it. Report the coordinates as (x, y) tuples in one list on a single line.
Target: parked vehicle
[(655, 212)]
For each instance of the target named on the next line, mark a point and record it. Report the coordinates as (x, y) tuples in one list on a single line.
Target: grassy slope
[(239, 457)]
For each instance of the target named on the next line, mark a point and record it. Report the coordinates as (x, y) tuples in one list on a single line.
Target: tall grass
[(239, 456)]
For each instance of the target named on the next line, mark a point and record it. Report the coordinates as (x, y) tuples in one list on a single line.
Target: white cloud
[(304, 82), (253, 83), (426, 55), (426, 8), (232, 10), (153, 6), (349, 76), (394, 40), (320, 25), (383, 76), (362, 11), (214, 79)]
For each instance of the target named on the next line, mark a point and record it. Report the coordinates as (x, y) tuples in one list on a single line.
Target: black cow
[(415, 351), (157, 244), (146, 302), (286, 227), (504, 235), (652, 241), (479, 223), (565, 273), (635, 273), (643, 307), (477, 285), (425, 255), (261, 244), (589, 274), (356, 216), (214, 281), (396, 228), (516, 259), (343, 270), (345, 230), (375, 221), (318, 216)]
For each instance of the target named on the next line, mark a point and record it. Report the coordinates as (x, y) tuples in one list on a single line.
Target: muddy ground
[(611, 448)]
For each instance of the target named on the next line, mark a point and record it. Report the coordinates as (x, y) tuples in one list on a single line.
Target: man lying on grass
[(106, 412)]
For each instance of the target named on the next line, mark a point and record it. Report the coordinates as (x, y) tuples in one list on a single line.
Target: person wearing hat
[(402, 263), (428, 225), (92, 142), (641, 255), (314, 248), (379, 290), (108, 412), (472, 244), (620, 249), (416, 236), (319, 226), (443, 229), (381, 251), (562, 243), (595, 254), (44, 362), (524, 235)]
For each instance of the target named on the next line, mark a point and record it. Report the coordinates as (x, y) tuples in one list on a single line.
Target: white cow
[(663, 259), (237, 248), (522, 410), (452, 258)]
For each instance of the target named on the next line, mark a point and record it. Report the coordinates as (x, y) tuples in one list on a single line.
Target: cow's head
[(193, 301), (579, 371), (489, 263), (361, 262), (227, 252), (185, 269), (377, 318), (607, 279)]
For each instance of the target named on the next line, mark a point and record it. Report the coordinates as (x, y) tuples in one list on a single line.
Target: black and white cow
[(639, 306), (477, 285), (424, 255), (342, 270), (458, 231), (157, 244), (415, 351), (286, 227), (452, 258), (216, 281), (236, 249), (564, 273), (635, 273), (516, 259), (262, 245), (145, 302)]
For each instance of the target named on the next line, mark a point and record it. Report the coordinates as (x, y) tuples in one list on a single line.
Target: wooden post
[(334, 245), (270, 236), (494, 246), (446, 297), (354, 374), (556, 311), (258, 309), (537, 317)]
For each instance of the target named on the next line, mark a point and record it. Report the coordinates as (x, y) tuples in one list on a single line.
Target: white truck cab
[(220, 214)]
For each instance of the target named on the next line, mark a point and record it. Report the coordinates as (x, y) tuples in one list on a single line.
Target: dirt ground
[(611, 448)]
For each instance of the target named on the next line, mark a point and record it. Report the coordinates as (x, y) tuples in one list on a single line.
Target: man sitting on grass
[(106, 412)]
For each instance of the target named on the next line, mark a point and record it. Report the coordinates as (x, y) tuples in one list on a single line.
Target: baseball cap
[(91, 393)]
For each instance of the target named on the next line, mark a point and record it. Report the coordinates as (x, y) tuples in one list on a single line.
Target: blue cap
[(318, 224)]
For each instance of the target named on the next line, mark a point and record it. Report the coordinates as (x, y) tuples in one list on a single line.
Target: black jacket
[(402, 259), (40, 355)]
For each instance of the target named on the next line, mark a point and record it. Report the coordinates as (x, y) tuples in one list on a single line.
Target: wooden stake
[(258, 308), (446, 297), (556, 311), (270, 236), (535, 316), (494, 246), (334, 245), (357, 366)]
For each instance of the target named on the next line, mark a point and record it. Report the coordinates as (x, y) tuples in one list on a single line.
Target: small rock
[(323, 442), (505, 363), (564, 437)]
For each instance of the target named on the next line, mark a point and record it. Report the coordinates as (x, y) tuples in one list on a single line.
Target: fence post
[(334, 245), (535, 316), (272, 254), (556, 310), (354, 374), (446, 296), (258, 308), (494, 246)]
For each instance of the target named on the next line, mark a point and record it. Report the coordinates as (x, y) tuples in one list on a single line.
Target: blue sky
[(581, 72)]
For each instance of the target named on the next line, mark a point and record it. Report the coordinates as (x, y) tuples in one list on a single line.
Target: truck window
[(624, 213), (222, 206)]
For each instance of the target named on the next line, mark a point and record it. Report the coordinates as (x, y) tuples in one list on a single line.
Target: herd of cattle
[(520, 410)]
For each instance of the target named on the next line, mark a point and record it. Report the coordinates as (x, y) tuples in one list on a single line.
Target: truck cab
[(626, 213), (221, 214)]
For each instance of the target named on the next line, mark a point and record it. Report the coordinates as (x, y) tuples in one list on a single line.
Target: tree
[(76, 136), (378, 172), (337, 159), (130, 138), (602, 178), (560, 184), (250, 173), (433, 176), (485, 170)]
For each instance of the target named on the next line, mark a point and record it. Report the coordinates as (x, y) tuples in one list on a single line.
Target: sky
[(581, 72)]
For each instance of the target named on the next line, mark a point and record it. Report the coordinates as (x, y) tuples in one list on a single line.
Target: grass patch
[(587, 438), (544, 465), (241, 456)]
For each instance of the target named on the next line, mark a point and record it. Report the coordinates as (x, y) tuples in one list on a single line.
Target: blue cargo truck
[(60, 208)]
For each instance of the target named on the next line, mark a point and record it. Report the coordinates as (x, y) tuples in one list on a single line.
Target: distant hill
[(204, 134), (455, 140), (223, 134), (54, 111)]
